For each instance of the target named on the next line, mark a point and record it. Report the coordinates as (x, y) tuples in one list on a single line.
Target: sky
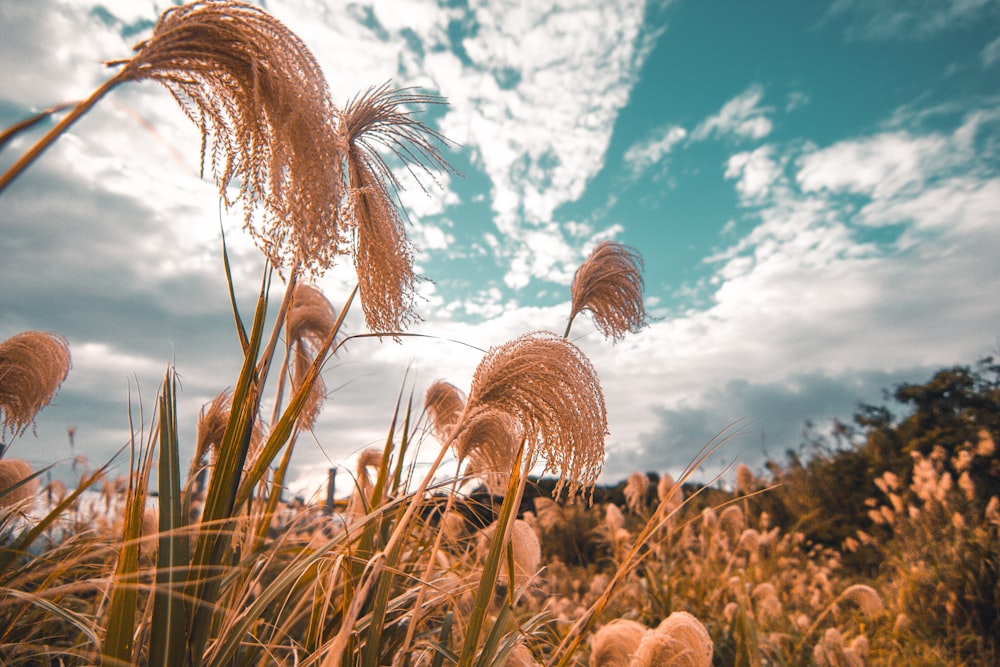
[(814, 189)]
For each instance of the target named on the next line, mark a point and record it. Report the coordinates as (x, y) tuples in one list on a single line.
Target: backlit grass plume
[(383, 255), (609, 284), (443, 402), (32, 366), (308, 322), (551, 391), (267, 123), (490, 442)]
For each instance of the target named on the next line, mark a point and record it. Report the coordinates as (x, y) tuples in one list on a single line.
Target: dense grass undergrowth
[(881, 548)]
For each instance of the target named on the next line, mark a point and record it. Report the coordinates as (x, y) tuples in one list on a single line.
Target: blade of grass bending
[(491, 566), (169, 621), (118, 640), (75, 620), (502, 625), (274, 497), (336, 651), (403, 446), (28, 123), (78, 111), (241, 330)]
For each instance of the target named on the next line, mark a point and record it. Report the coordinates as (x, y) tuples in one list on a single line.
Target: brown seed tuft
[(308, 322), (609, 284), (444, 403), (262, 104), (866, 598), (383, 255), (490, 441), (12, 473), (32, 366), (212, 421), (636, 488), (691, 641), (551, 391), (615, 643)]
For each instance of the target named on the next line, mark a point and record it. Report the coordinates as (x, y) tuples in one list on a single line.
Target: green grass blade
[(118, 640), (213, 544), (491, 566), (169, 621), (441, 648), (284, 427), (241, 330)]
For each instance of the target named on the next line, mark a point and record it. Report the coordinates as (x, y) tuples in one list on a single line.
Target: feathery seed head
[(745, 482), (384, 257), (32, 366), (489, 441), (615, 643), (609, 284), (691, 641), (551, 391), (308, 322), (526, 552), (212, 421), (262, 104), (866, 598), (636, 488), (13, 472), (444, 403)]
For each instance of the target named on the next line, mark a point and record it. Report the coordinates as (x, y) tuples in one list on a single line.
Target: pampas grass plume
[(13, 471), (444, 403), (609, 284), (866, 598), (32, 366), (636, 487), (690, 642), (308, 322), (549, 388), (615, 643), (261, 102)]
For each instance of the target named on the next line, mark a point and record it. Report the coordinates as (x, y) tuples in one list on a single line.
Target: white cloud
[(755, 172), (645, 154), (990, 54), (903, 19), (740, 117), (879, 166)]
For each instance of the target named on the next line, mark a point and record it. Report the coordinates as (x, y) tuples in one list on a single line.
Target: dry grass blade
[(308, 322), (609, 284), (384, 257), (262, 104), (551, 391), (32, 366)]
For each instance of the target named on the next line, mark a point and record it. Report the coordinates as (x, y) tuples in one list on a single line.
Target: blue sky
[(814, 187)]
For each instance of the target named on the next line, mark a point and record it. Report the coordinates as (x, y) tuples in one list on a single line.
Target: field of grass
[(848, 558)]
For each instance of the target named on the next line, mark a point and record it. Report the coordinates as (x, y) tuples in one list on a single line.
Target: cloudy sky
[(814, 188)]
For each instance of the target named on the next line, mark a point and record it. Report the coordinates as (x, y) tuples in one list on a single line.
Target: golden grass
[(610, 285), (33, 364), (267, 122), (549, 388)]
